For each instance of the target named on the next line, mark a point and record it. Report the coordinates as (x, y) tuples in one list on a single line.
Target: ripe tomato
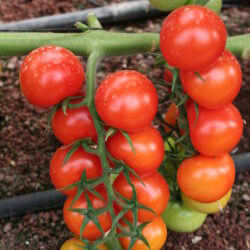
[(171, 116), (168, 75), (126, 100), (167, 5), (74, 244), (208, 208), (220, 85), (65, 175), (215, 132), (155, 233), (49, 74), (76, 124), (206, 179), (153, 194), (148, 145), (192, 37), (182, 219), (74, 220)]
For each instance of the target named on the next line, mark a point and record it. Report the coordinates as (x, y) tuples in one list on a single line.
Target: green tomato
[(167, 5), (182, 219)]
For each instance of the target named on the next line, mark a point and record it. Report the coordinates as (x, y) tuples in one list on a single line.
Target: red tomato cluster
[(193, 39), (127, 100)]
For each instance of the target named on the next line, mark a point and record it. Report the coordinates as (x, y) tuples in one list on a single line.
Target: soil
[(26, 147)]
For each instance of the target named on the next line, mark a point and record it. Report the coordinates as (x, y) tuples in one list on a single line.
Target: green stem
[(93, 22)]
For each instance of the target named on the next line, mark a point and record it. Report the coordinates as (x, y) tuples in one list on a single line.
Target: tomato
[(126, 100), (206, 179), (215, 132), (168, 75), (74, 220), (182, 219), (76, 124), (148, 145), (49, 74), (208, 208), (155, 233), (167, 5), (153, 194), (192, 37), (220, 85), (171, 116), (65, 175), (74, 244)]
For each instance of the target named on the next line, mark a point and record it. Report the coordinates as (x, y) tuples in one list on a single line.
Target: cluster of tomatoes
[(193, 40)]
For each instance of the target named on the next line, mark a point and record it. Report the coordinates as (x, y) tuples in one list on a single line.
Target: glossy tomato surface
[(214, 132), (153, 194), (49, 74), (192, 37), (148, 145), (126, 100), (206, 179), (76, 124), (71, 172), (74, 220), (220, 82), (155, 233)]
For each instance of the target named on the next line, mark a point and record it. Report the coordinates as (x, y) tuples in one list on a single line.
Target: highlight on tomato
[(126, 100), (206, 179), (49, 74)]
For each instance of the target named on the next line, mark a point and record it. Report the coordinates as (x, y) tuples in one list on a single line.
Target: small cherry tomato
[(208, 208), (154, 193), (148, 145), (192, 37), (127, 100), (49, 74), (214, 132), (206, 179), (71, 172)]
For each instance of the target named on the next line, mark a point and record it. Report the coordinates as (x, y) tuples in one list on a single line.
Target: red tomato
[(148, 145), (49, 74), (76, 124), (215, 132), (168, 75), (171, 116), (220, 85), (155, 233), (74, 220), (126, 100), (65, 175), (192, 37), (153, 194), (206, 179)]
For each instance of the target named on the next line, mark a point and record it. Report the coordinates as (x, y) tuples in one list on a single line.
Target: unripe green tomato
[(182, 219), (167, 5)]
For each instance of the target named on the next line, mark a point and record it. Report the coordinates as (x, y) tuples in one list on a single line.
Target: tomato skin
[(215, 132), (171, 116), (220, 85), (127, 100), (76, 124), (167, 5), (49, 74), (148, 145), (155, 232), (154, 194), (206, 179), (192, 37), (180, 218), (65, 175), (208, 208), (74, 220)]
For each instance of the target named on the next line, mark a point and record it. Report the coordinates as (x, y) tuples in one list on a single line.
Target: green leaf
[(199, 76), (126, 135), (109, 133), (183, 100), (71, 152), (196, 107), (65, 104), (50, 116)]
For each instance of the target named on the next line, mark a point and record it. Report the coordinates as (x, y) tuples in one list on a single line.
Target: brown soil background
[(25, 148)]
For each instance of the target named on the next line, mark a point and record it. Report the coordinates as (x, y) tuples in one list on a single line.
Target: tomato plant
[(63, 175), (148, 145), (214, 132), (167, 5), (153, 193), (189, 32), (198, 174), (216, 85), (122, 98), (49, 74)]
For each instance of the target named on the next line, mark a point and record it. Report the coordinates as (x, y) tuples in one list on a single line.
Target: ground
[(26, 148)]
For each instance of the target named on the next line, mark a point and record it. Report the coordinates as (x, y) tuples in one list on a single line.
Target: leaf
[(183, 100), (65, 104), (196, 107), (109, 133), (71, 152), (126, 135), (199, 76), (50, 116)]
